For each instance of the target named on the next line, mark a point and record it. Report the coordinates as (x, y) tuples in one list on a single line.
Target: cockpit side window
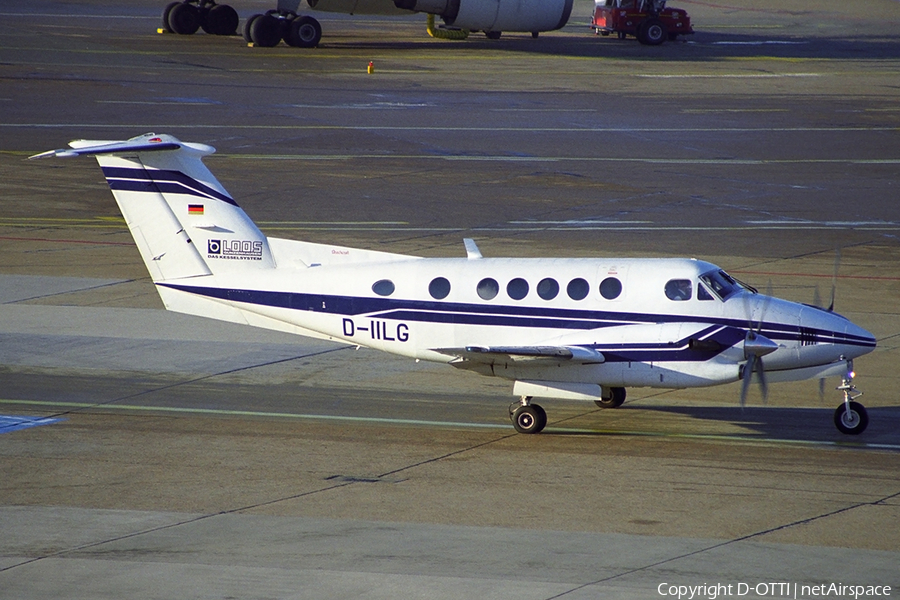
[(679, 289), (703, 293), (722, 284)]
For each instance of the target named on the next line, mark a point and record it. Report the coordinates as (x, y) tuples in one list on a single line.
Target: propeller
[(817, 298), (817, 301), (756, 345)]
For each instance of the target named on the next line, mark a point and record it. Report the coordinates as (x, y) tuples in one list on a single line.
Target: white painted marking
[(253, 413), (379, 420), (579, 222), (51, 16), (762, 43), (427, 128), (730, 76)]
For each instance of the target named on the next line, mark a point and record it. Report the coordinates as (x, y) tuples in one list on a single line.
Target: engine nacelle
[(496, 15)]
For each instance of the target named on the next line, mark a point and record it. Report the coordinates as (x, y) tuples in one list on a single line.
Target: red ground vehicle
[(648, 20)]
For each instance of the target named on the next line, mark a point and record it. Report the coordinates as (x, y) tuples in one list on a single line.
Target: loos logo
[(235, 249)]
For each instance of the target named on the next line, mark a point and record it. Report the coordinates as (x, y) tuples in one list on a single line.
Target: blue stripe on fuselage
[(509, 316)]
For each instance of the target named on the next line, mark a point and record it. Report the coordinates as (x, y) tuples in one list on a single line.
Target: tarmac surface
[(145, 454)]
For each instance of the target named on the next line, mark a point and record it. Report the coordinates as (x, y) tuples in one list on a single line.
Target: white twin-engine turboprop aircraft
[(582, 329)]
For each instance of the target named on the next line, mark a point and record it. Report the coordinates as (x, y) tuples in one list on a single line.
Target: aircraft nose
[(855, 340)]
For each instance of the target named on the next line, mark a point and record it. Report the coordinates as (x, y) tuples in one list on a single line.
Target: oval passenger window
[(610, 288), (547, 288), (578, 289), (439, 288), (384, 287), (517, 288), (487, 288)]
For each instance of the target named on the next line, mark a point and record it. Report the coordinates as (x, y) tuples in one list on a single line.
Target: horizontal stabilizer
[(146, 143), (495, 354)]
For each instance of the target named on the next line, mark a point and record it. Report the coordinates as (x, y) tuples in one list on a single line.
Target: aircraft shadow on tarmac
[(769, 423), (702, 46)]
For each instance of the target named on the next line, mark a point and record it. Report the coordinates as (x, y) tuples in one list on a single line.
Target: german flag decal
[(195, 209)]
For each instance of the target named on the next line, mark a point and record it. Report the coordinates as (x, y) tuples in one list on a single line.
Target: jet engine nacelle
[(496, 15)]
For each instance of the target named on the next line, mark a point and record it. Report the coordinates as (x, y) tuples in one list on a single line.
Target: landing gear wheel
[(853, 421), (304, 32), (615, 400), (247, 25), (652, 32), (535, 34), (184, 18), (530, 418), (165, 16), (493, 35), (265, 31), (221, 19)]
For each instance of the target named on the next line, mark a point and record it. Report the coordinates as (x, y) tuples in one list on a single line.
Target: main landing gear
[(266, 30), (269, 29), (527, 417), (187, 17), (531, 418), (850, 417)]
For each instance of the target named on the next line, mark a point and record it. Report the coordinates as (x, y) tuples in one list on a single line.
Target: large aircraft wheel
[(304, 32), (851, 420), (493, 35), (615, 400), (265, 31), (165, 16), (184, 18), (529, 419), (246, 30), (221, 19)]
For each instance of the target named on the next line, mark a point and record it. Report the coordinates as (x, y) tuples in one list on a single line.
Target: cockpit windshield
[(723, 285)]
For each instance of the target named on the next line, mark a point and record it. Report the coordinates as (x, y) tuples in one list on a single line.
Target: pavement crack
[(743, 538)]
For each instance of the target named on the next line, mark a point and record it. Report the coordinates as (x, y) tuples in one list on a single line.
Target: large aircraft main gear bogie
[(615, 400), (269, 29), (527, 417), (186, 17)]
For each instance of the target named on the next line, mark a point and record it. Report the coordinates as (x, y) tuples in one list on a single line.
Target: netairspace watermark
[(782, 589)]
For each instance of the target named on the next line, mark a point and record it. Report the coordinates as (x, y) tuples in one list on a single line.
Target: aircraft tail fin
[(183, 221)]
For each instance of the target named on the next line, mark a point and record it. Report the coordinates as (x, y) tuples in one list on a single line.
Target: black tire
[(529, 419), (652, 32), (493, 35), (853, 423), (221, 19), (265, 31), (304, 32), (165, 16), (535, 34), (184, 19), (247, 25), (615, 400)]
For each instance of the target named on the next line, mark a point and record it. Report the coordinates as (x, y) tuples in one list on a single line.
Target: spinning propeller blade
[(756, 346)]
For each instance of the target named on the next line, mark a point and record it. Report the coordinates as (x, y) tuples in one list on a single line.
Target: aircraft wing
[(494, 354)]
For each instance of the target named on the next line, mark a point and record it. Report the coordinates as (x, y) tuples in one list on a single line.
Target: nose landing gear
[(850, 417)]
